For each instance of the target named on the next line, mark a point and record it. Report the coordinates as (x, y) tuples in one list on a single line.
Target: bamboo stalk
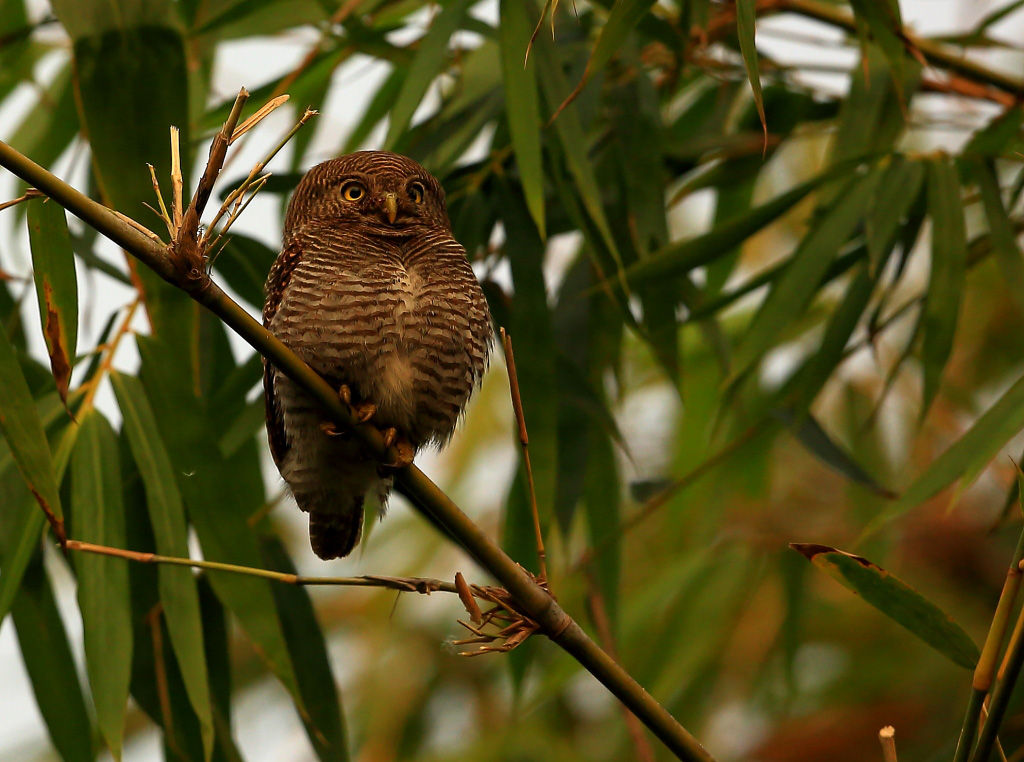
[(421, 491)]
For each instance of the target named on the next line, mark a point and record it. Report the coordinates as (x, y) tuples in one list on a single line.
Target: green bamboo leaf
[(50, 126), (898, 191), (683, 256), (968, 456), (53, 264), (522, 108), (51, 410), (882, 19), (325, 721), (20, 549), (574, 143), (21, 427), (1002, 230), (798, 283), (1000, 137), (156, 686), (745, 23), (602, 497), (216, 639), (51, 667), (234, 485), (382, 102), (807, 382), (132, 83), (818, 442), (244, 428), (428, 63), (231, 13), (167, 515), (896, 600), (103, 595), (624, 16), (945, 285), (872, 117)]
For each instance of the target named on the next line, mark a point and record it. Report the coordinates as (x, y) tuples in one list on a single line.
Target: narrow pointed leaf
[(798, 283), (898, 191), (882, 19), (51, 667), (818, 442), (167, 516), (745, 22), (325, 721), (945, 285), (574, 143), (20, 549), (624, 16), (103, 595), (53, 264), (522, 109), (428, 63), (21, 427), (683, 256), (968, 456), (602, 496), (1001, 228), (896, 600), (206, 480)]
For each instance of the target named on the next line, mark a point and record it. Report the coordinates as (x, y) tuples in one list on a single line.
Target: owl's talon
[(331, 429), (364, 411), (405, 453)]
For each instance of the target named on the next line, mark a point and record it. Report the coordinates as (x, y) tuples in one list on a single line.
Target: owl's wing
[(280, 274)]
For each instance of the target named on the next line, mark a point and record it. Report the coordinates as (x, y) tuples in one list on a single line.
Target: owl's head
[(382, 192)]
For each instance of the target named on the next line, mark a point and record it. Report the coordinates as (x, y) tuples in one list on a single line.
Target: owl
[(373, 292)]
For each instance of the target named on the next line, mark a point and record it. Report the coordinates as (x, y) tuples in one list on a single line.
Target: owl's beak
[(391, 204)]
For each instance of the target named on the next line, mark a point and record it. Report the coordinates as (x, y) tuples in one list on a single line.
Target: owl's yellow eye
[(416, 193), (353, 191)]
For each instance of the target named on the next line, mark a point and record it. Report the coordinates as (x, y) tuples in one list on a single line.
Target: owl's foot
[(364, 410), (405, 453)]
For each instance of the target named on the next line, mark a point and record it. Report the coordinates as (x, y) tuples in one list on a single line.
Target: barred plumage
[(373, 292)]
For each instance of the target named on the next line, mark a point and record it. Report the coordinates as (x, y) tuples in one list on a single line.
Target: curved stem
[(423, 493)]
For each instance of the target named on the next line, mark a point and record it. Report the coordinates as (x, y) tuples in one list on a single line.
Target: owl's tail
[(334, 535)]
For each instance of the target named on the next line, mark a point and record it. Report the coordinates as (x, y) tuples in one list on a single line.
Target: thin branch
[(533, 599), (935, 53), (423, 585), (162, 213), (30, 193), (886, 738), (108, 358), (524, 442)]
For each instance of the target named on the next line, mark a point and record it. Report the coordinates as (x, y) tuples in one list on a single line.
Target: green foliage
[(747, 310)]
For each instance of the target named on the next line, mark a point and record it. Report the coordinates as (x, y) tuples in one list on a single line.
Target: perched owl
[(372, 291)]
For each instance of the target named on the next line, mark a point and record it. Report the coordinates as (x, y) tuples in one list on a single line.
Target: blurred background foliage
[(760, 294)]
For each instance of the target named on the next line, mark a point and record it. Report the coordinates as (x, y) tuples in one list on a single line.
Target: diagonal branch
[(422, 492)]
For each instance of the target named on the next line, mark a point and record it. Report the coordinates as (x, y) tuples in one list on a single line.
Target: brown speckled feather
[(277, 280)]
